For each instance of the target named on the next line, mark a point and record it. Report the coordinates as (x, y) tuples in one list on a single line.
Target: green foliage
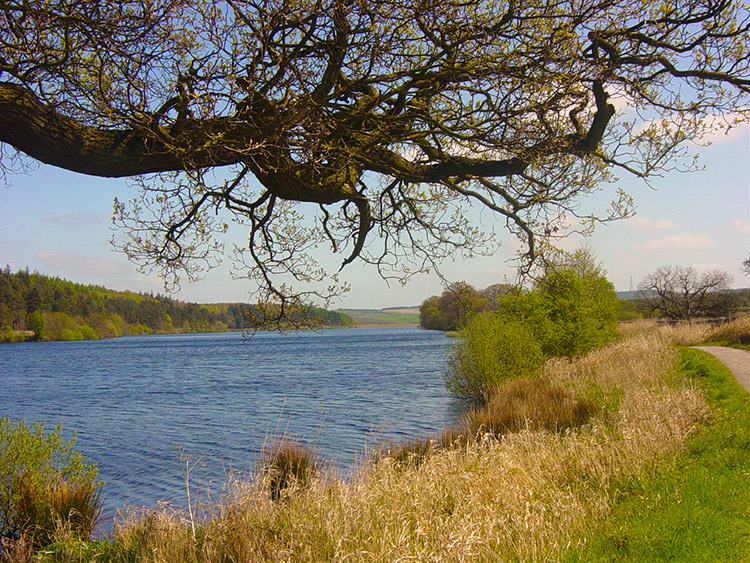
[(73, 311), (629, 310), (36, 323), (491, 349), (571, 310), (41, 479)]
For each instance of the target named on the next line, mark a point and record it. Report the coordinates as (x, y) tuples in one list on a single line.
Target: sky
[(59, 223)]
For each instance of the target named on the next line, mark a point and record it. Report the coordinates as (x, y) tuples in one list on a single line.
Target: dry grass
[(42, 511), (528, 404), (525, 495), (736, 331)]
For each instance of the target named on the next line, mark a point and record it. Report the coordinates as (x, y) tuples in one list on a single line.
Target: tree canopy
[(681, 293), (367, 126)]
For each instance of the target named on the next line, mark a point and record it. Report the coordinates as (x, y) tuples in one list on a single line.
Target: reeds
[(286, 466), (528, 403), (42, 510), (509, 495)]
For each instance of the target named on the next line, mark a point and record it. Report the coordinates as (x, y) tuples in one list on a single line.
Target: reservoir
[(141, 406)]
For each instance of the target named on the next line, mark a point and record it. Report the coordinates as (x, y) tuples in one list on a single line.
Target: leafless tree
[(680, 293)]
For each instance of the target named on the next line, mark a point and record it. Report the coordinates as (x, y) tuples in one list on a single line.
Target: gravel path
[(738, 362)]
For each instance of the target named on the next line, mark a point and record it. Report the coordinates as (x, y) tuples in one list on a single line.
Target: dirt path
[(738, 362)]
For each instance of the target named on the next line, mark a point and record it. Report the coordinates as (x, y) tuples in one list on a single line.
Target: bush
[(68, 334), (491, 349), (570, 312), (287, 465), (44, 483), (528, 403), (87, 332), (57, 504)]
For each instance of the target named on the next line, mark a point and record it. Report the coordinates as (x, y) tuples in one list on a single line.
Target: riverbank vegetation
[(45, 487), (670, 293), (38, 307), (571, 309), (637, 425)]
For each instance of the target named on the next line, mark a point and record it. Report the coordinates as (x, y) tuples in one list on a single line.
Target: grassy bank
[(696, 507), (406, 316), (525, 495), (653, 468)]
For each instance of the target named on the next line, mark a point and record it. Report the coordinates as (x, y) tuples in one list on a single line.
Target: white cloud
[(76, 219), (741, 227), (84, 266), (681, 241), (648, 225), (715, 128), (718, 125)]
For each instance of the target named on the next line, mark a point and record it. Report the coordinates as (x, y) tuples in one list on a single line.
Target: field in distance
[(388, 316)]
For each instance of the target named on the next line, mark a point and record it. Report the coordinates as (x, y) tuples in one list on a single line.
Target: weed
[(287, 465), (528, 404)]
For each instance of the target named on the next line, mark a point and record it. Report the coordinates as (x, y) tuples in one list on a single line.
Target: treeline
[(672, 293), (33, 305), (508, 333), (451, 309)]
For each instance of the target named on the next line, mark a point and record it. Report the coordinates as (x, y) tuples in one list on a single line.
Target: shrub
[(43, 483), (491, 349), (87, 332), (68, 334), (734, 332), (527, 403), (36, 323), (58, 503), (572, 309), (287, 465)]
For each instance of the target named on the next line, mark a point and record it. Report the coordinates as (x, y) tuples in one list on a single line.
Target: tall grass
[(527, 403), (42, 510), (734, 332), (511, 495)]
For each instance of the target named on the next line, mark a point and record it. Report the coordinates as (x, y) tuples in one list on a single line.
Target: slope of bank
[(392, 316), (693, 507)]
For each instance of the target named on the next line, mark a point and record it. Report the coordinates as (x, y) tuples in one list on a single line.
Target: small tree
[(452, 308), (36, 323), (491, 349), (44, 481), (680, 293), (572, 309)]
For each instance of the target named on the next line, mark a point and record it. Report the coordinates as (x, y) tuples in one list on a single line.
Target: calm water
[(137, 402)]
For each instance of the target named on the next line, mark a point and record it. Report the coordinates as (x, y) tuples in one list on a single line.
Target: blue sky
[(59, 223)]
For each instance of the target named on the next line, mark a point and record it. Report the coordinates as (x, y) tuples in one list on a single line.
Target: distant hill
[(408, 316), (39, 307)]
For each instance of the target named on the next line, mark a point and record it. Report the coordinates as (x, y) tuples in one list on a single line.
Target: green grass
[(696, 508), (381, 316)]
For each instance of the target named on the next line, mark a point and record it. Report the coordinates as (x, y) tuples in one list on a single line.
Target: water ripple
[(138, 404)]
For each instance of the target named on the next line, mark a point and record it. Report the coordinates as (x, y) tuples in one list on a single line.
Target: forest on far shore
[(35, 306)]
